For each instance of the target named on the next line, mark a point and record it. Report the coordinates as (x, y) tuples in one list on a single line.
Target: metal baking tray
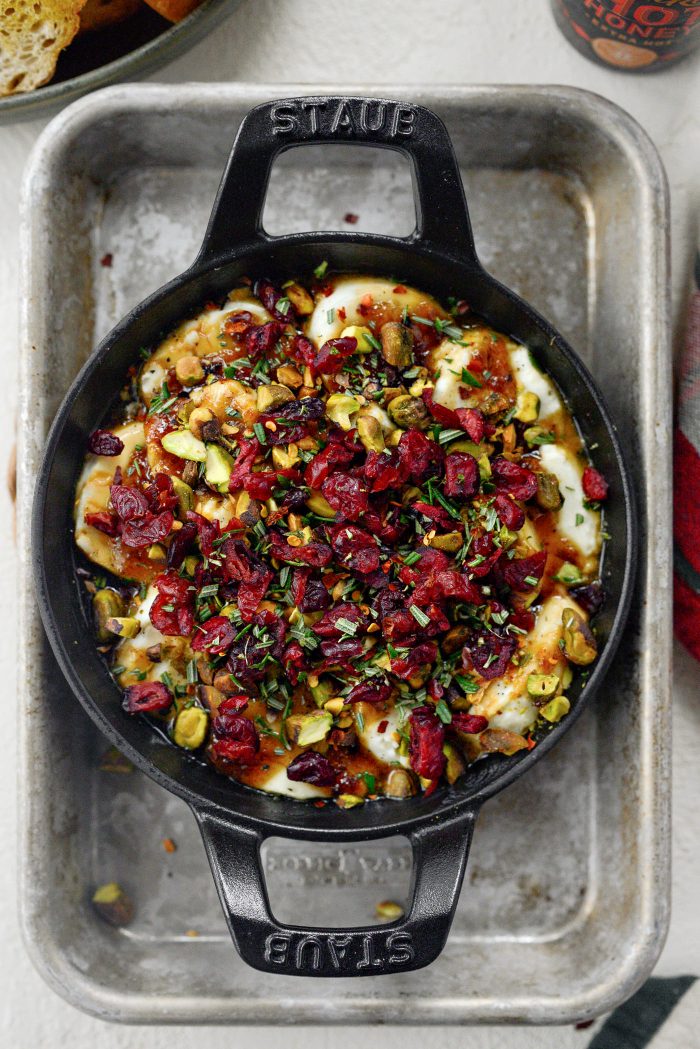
[(565, 904)]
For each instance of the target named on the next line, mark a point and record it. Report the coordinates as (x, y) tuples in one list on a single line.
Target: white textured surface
[(363, 42)]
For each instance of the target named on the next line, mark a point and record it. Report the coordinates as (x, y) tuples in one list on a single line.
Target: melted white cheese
[(92, 495), (130, 653), (279, 783), (448, 359), (529, 379), (568, 470), (200, 336), (505, 702), (383, 745), (325, 323), (215, 508)]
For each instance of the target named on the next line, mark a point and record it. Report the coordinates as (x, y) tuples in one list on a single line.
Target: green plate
[(126, 51)]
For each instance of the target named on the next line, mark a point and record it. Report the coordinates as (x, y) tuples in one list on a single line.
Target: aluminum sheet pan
[(565, 903)]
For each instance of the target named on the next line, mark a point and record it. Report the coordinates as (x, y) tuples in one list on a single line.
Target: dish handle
[(440, 854), (274, 127)]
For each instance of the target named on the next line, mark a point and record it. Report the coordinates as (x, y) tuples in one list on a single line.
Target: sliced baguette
[(32, 35)]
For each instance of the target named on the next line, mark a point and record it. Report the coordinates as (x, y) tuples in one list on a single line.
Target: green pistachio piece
[(539, 685), (306, 729), (185, 445), (556, 709)]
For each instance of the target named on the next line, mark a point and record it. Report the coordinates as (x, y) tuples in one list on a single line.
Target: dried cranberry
[(303, 350), (384, 470), (341, 651), (485, 555), (355, 549), (252, 591), (595, 487), (435, 514), (426, 740), (312, 767), (248, 450), (128, 502), (147, 530), (519, 573), (239, 742), (104, 521), (346, 494), (322, 464), (161, 493), (405, 666), (295, 661), (260, 341), (180, 544), (471, 723), (591, 597), (314, 598), (441, 414), (461, 475), (420, 457), (215, 636), (517, 480), (446, 584), (147, 697), (400, 626), (104, 442), (472, 421), (369, 692), (488, 654), (330, 358), (172, 611), (269, 295), (307, 409), (207, 531), (387, 601), (328, 626), (317, 555), (509, 513), (522, 619)]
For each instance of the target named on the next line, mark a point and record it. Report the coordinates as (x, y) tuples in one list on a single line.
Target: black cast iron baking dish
[(235, 820)]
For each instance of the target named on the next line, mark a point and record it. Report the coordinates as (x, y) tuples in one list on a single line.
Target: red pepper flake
[(169, 845), (342, 313), (350, 218), (106, 260), (382, 726), (400, 289)]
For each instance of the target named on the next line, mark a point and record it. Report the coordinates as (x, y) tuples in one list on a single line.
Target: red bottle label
[(632, 34)]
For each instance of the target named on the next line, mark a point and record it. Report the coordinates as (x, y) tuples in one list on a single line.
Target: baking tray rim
[(102, 1002)]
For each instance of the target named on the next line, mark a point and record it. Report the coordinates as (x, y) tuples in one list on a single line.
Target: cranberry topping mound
[(336, 535)]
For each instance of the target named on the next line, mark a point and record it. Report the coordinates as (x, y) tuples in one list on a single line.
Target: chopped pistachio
[(389, 910), (106, 604), (528, 407), (401, 783), (340, 408), (362, 334), (299, 298), (569, 575), (455, 765), (272, 395), (198, 419), (450, 542), (185, 496), (219, 465), (548, 495), (397, 344), (556, 709), (334, 706), (112, 903), (539, 685), (191, 727), (157, 552), (320, 505), (306, 729), (579, 644), (322, 692), (189, 370), (123, 626), (285, 458), (184, 445), (370, 432), (407, 411), (349, 801), (288, 375)]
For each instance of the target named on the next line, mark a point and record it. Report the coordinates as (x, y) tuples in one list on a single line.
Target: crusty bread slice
[(32, 35)]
